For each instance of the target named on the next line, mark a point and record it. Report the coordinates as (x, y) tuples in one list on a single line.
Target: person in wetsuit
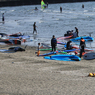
[(34, 28), (69, 46), (53, 43), (60, 9), (77, 31), (3, 18), (82, 46)]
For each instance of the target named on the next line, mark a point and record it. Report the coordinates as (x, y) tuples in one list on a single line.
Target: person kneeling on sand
[(68, 45)]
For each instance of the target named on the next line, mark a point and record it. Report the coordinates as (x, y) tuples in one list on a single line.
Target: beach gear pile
[(12, 49), (13, 39), (68, 55), (91, 74)]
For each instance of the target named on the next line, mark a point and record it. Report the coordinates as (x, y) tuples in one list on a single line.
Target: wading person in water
[(77, 31), (60, 9), (34, 28), (3, 19)]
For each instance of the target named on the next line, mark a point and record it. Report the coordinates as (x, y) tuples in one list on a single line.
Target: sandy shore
[(23, 73)]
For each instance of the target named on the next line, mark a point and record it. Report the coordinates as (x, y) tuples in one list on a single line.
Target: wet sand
[(23, 73)]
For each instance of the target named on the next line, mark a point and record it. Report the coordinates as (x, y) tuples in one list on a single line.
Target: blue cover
[(63, 57), (86, 38)]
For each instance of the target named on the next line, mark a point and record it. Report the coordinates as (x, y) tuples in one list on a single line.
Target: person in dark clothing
[(82, 6), (82, 46), (77, 31), (3, 18), (69, 46), (60, 9), (34, 28), (47, 4), (53, 43), (36, 8)]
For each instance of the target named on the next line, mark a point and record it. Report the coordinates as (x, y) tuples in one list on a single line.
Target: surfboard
[(63, 57), (50, 53), (86, 38), (77, 47), (62, 43), (89, 56), (6, 51), (43, 44), (64, 37), (45, 49), (45, 54), (71, 50), (18, 37), (12, 49)]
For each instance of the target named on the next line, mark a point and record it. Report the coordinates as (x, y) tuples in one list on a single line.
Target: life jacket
[(54, 41), (82, 43), (82, 40)]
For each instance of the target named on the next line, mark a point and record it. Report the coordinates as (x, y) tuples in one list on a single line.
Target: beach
[(24, 73)]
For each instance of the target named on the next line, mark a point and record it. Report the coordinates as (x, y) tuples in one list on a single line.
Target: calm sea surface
[(49, 21)]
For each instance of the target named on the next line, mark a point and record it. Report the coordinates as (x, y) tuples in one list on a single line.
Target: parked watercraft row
[(66, 56), (13, 39)]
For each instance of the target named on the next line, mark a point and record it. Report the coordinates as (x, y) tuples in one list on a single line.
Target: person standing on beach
[(53, 43), (3, 17), (77, 31), (38, 49), (34, 28), (82, 46)]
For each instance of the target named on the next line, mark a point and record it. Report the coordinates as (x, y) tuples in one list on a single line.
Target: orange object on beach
[(83, 53), (38, 53)]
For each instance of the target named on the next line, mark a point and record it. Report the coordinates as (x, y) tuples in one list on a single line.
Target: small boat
[(64, 57), (86, 38)]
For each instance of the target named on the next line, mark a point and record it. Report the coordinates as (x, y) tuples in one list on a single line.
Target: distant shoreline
[(5, 3)]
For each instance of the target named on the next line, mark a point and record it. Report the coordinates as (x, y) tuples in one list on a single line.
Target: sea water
[(49, 21)]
